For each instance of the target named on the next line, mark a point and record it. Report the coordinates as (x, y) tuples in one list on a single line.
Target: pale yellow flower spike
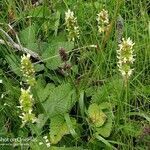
[(125, 58), (27, 69), (26, 102), (71, 26), (103, 21)]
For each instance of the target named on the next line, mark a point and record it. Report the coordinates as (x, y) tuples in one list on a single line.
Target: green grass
[(62, 98)]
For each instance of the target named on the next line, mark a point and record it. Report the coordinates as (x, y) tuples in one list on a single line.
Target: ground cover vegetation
[(74, 74)]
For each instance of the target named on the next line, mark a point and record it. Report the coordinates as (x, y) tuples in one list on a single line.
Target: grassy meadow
[(74, 75)]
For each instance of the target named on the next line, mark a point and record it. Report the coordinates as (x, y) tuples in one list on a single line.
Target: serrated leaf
[(41, 120), (51, 54), (96, 115), (44, 91), (58, 128), (105, 130), (60, 101), (39, 67), (52, 24), (103, 114), (28, 35), (32, 46), (40, 12)]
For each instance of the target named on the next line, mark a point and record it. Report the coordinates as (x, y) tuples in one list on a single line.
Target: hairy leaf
[(60, 100), (59, 128), (96, 115), (51, 54)]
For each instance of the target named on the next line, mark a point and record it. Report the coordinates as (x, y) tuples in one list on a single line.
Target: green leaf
[(32, 46), (133, 129), (39, 67), (142, 90), (105, 130), (101, 116), (110, 91), (59, 128), (40, 12), (51, 54), (28, 35), (105, 105), (41, 120), (70, 123), (52, 24), (14, 64), (96, 115), (60, 101), (43, 92), (104, 141)]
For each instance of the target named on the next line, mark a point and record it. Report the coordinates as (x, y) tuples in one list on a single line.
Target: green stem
[(126, 86)]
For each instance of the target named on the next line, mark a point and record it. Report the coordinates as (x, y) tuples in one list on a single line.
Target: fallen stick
[(19, 47)]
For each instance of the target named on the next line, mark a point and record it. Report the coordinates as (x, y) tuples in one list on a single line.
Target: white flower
[(47, 140), (2, 96), (103, 21), (125, 57), (100, 29), (40, 143), (126, 44), (48, 144), (103, 16), (26, 100), (30, 111), (123, 72), (69, 14), (129, 42), (124, 60), (27, 69), (45, 137), (24, 57), (34, 120), (1, 81), (19, 107), (71, 25), (130, 72)]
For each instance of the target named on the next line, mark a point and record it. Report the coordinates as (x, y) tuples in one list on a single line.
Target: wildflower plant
[(27, 69), (72, 98), (125, 58), (26, 103), (46, 142), (26, 99), (103, 21), (71, 25)]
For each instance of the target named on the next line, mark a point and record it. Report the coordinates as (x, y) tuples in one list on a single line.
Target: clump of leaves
[(100, 118), (59, 128), (96, 115)]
